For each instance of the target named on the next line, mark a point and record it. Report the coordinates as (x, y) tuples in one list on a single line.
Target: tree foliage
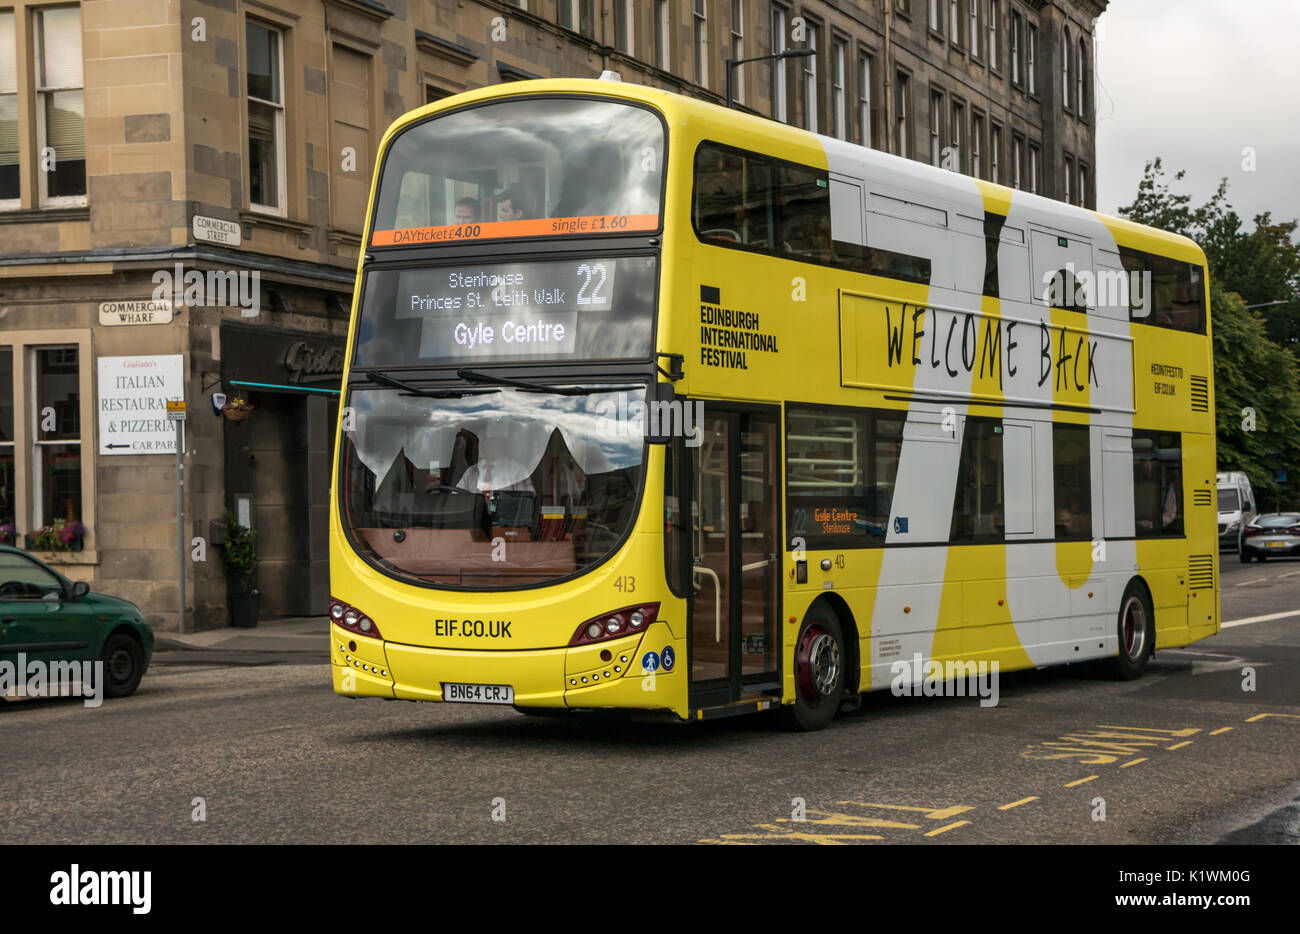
[(1257, 406)]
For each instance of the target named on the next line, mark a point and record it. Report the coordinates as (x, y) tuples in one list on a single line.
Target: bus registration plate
[(478, 693)]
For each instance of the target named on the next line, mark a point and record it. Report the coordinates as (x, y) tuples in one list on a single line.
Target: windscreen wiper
[(474, 376), (407, 389)]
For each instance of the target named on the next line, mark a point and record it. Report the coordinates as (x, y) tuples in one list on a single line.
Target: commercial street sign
[(144, 311)]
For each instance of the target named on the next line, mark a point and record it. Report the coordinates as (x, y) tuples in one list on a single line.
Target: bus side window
[(719, 194), (805, 213)]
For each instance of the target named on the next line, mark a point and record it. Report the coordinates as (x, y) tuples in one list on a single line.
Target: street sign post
[(176, 415)]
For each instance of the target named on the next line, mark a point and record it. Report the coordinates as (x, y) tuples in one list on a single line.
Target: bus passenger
[(514, 205), (466, 211)]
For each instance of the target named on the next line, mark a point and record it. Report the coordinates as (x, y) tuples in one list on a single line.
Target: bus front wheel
[(819, 673), (1137, 633)]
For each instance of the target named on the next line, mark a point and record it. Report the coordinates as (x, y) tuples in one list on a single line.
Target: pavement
[(293, 640)]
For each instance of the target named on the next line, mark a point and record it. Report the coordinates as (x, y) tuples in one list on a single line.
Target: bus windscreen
[(538, 167)]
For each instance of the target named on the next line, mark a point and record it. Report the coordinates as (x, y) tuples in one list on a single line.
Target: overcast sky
[(1195, 82)]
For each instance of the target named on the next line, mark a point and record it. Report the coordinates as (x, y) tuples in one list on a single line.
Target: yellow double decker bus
[(654, 404)]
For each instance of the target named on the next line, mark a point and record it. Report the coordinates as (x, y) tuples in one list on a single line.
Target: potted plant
[(61, 535), (7, 533), (237, 408), (239, 554)]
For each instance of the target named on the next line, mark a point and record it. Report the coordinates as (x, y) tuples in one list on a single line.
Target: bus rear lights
[(350, 618), (625, 622)]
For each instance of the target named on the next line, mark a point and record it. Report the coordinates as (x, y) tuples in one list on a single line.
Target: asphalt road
[(1184, 755)]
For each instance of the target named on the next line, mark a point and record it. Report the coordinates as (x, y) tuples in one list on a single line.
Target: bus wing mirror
[(660, 420)]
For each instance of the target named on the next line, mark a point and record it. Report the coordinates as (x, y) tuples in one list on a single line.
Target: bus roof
[(747, 130)]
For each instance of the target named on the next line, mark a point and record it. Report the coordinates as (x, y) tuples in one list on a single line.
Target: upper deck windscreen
[(529, 167)]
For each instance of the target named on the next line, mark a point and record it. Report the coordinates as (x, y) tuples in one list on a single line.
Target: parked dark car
[(49, 618), (1271, 534)]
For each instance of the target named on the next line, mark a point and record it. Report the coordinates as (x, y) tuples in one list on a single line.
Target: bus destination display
[(496, 311)]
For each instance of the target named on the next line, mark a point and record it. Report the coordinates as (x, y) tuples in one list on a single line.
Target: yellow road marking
[(1150, 729), (1079, 781), (1016, 804), (826, 839), (931, 813), (844, 820), (1133, 762), (1179, 745), (1222, 729), (939, 830), (1261, 716)]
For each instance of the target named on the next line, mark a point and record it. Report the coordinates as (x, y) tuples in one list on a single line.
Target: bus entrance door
[(734, 610)]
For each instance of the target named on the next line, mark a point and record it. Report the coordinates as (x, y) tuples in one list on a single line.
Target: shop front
[(279, 414)]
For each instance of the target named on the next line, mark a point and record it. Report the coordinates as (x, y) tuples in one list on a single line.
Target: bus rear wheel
[(819, 673), (1137, 633)]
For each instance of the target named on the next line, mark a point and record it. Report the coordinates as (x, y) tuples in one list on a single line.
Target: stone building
[(183, 185)]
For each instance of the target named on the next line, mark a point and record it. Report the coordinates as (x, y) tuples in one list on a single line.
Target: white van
[(1236, 508)]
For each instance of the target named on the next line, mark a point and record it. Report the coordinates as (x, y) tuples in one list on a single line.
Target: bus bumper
[(557, 677)]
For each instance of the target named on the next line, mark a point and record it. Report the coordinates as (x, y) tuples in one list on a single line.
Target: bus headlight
[(615, 625), (350, 618)]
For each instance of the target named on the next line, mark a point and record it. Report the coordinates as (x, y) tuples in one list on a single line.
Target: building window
[(1081, 81), (995, 153), (10, 184), (700, 27), (266, 169), (661, 33), (865, 73), (1066, 52), (1066, 176), (902, 95), (1083, 184), (56, 455), (624, 16), (957, 141), (8, 491), (1157, 483), (1072, 482), (43, 407), (977, 146), (1031, 59), (954, 22), (977, 511), (995, 12), (810, 82), (779, 65), (60, 105), (936, 16), (1017, 26), (1034, 161), (1017, 161), (976, 27), (738, 45), (936, 127), (839, 112)]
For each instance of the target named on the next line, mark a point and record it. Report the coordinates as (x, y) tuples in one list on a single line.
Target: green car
[(46, 618)]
